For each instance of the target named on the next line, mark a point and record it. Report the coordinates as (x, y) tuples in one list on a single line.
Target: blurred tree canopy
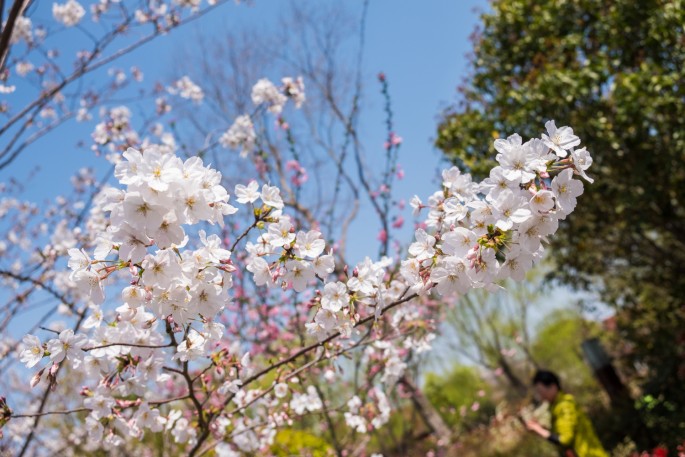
[(557, 347), (478, 405), (614, 71), (461, 396)]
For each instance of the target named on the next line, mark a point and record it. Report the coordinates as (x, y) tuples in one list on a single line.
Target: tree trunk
[(427, 412), (514, 380)]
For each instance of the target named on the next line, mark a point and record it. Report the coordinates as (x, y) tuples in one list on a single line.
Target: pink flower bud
[(36, 378), (382, 236)]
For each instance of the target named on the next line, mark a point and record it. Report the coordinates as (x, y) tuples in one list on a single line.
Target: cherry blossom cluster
[(265, 94), (115, 127), (145, 234), (69, 13), (23, 31), (179, 282), (475, 234), (185, 88), (365, 417), (158, 293), (240, 135)]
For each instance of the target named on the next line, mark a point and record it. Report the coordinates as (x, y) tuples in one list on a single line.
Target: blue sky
[(419, 45)]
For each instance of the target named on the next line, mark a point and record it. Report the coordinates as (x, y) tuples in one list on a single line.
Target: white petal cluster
[(69, 13), (67, 345), (475, 236), (33, 351), (241, 135), (294, 89), (85, 276), (274, 98), (146, 233), (185, 88), (358, 414), (309, 401), (193, 4), (296, 259), (146, 239), (22, 30), (561, 139), (265, 92), (393, 365), (115, 127), (494, 231), (352, 417)]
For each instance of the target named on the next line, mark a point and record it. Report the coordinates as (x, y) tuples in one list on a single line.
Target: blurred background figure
[(571, 430)]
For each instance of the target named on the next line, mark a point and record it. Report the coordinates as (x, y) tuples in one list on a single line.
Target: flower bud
[(36, 378)]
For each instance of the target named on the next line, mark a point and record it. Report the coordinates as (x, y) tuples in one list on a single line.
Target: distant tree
[(462, 396), (557, 347), (614, 70), (491, 330)]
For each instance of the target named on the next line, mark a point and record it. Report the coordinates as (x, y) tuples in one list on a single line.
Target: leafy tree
[(557, 347), (613, 70), (491, 329), (461, 396)]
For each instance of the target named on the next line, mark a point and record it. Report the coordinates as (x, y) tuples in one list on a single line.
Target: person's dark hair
[(547, 378)]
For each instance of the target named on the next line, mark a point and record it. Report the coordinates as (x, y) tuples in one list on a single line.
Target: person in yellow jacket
[(571, 430)]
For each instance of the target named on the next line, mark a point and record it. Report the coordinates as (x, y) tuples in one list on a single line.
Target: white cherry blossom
[(240, 135), (422, 248), (335, 296), (33, 351), (271, 196), (309, 244), (582, 161), (542, 202), (67, 345), (192, 347), (561, 139), (566, 190), (247, 194), (299, 274), (265, 92)]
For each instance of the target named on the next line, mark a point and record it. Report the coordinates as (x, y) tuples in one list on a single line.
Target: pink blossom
[(382, 236)]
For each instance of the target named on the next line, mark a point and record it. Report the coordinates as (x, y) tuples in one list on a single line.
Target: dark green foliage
[(615, 72)]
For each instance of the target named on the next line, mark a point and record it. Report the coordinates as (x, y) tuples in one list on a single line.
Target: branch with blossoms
[(113, 32), (218, 340), (180, 285)]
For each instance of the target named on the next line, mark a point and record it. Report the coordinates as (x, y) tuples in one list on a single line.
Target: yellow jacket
[(572, 429)]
